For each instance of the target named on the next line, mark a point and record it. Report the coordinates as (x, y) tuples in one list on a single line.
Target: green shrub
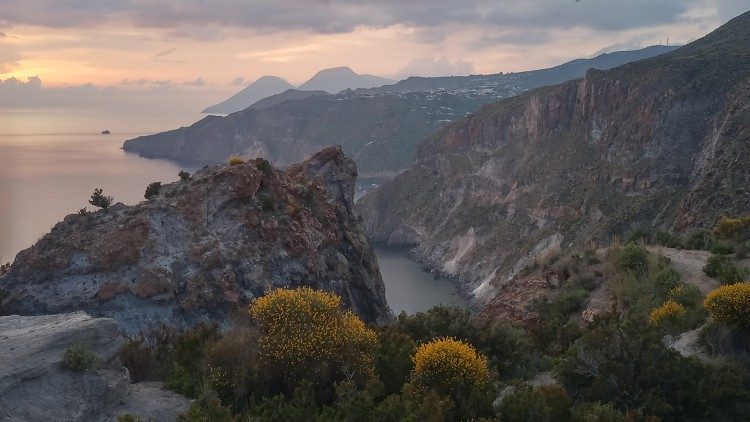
[(667, 279), (722, 248), (207, 408), (140, 361), (128, 417), (632, 257), (700, 240), (625, 363), (636, 235), (545, 403), (263, 165), (152, 190), (184, 175), (728, 340), (597, 412), (78, 358), (723, 268), (99, 200), (185, 373), (668, 239)]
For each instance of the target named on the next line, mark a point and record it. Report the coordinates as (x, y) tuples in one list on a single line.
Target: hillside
[(661, 142), (265, 86), (379, 130), (205, 247)]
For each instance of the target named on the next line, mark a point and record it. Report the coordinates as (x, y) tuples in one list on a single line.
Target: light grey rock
[(34, 385)]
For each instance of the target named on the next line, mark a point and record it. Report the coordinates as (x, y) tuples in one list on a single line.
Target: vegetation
[(668, 239), (449, 366), (235, 160), (730, 304), (306, 336), (184, 175), (78, 358), (263, 165), (724, 269), (152, 190), (99, 200), (669, 312), (300, 356)]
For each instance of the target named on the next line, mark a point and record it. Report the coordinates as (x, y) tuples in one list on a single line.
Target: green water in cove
[(51, 161)]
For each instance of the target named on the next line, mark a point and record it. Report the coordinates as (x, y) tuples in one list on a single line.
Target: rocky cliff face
[(663, 141), (204, 247), (379, 127)]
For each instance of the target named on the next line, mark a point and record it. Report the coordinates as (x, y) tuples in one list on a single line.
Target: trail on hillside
[(689, 263)]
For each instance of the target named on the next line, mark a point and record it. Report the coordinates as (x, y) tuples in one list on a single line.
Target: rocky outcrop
[(34, 385), (379, 128), (662, 141), (204, 248)]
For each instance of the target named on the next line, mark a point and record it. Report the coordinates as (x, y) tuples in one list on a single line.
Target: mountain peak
[(336, 79), (263, 87)]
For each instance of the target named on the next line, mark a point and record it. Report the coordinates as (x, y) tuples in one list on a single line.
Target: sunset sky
[(220, 46)]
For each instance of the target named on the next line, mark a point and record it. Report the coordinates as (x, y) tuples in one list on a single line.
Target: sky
[(53, 52)]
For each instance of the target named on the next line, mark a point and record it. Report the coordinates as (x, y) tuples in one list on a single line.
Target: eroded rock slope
[(205, 247), (664, 141)]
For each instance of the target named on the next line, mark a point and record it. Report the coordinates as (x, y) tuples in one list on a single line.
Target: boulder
[(36, 386)]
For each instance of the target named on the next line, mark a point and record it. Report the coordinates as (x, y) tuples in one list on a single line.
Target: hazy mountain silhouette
[(337, 79), (264, 87)]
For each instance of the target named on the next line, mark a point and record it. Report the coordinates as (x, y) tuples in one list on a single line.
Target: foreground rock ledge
[(34, 386)]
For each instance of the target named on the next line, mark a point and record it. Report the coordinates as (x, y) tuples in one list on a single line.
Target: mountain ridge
[(660, 142), (379, 130)]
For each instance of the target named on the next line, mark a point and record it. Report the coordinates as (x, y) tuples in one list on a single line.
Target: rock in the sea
[(202, 249), (35, 386)]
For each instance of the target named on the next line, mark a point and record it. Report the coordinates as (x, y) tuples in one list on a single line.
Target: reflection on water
[(409, 288), (51, 162)]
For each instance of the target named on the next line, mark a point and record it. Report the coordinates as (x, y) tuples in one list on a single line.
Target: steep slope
[(337, 79), (288, 95), (663, 141), (265, 86), (380, 130), (205, 247), (522, 81)]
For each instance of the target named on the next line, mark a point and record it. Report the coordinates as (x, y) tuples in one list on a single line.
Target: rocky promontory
[(204, 247)]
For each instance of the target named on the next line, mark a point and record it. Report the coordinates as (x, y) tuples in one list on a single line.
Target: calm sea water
[(51, 161)]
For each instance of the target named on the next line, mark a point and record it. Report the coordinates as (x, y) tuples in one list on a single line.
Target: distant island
[(105, 132)]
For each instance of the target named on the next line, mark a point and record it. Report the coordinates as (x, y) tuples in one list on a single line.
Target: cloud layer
[(341, 16)]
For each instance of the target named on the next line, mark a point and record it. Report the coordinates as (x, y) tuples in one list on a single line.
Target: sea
[(51, 160)]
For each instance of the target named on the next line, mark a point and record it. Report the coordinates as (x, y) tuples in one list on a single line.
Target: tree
[(99, 200), (184, 175), (152, 190)]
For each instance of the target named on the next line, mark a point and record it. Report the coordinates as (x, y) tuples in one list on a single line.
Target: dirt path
[(690, 266)]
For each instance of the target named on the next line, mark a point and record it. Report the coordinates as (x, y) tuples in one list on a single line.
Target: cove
[(410, 289)]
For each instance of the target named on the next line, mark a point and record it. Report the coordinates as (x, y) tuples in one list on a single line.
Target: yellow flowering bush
[(234, 160), (305, 335), (728, 227), (448, 366), (730, 304), (669, 311)]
